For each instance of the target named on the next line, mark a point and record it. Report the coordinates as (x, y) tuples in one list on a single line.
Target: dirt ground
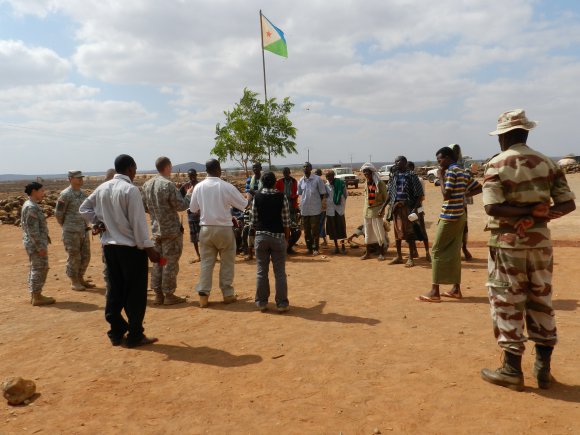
[(355, 353)]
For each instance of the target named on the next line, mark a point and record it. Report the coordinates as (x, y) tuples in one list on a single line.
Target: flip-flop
[(451, 295), (410, 263), (424, 298), (396, 261)]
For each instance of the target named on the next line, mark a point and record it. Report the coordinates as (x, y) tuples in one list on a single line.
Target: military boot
[(171, 299), (85, 283), (159, 298), (38, 299), (76, 285), (509, 375), (542, 366)]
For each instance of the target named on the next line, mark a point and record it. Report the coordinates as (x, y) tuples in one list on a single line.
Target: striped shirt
[(457, 181), (372, 192)]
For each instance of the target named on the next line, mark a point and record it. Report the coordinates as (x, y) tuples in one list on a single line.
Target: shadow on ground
[(314, 313), (202, 355), (79, 307), (558, 391)]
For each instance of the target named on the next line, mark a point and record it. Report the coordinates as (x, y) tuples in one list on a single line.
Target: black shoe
[(143, 342), (117, 341)]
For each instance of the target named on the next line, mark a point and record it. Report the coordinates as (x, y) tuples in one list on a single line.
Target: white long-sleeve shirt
[(118, 204), (214, 198)]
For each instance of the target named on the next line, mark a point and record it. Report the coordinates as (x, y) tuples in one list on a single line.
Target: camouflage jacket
[(67, 210), (34, 228), (522, 177), (162, 202)]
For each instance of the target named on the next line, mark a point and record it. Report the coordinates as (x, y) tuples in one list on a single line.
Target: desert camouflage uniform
[(35, 238), (162, 202), (520, 269), (75, 235)]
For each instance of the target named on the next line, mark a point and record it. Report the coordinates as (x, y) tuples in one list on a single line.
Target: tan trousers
[(213, 240)]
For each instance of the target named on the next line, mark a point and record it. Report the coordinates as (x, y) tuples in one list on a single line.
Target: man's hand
[(522, 225), (541, 210), (553, 214), (42, 252), (153, 255)]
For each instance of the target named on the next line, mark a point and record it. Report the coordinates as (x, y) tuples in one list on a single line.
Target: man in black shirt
[(271, 220)]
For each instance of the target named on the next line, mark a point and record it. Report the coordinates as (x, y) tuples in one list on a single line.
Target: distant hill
[(184, 167)]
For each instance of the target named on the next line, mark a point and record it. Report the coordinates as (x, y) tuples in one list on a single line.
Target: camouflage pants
[(164, 278), (38, 272), (78, 248), (520, 291)]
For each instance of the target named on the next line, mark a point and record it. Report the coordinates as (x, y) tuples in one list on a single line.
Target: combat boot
[(159, 298), (509, 375), (171, 299), (542, 366), (38, 299), (76, 284), (86, 284)]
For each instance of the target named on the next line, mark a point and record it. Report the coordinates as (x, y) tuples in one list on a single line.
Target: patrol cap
[(75, 174), (511, 120)]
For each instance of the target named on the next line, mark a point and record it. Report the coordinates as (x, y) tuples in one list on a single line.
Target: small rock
[(376, 431), (460, 332), (17, 390)]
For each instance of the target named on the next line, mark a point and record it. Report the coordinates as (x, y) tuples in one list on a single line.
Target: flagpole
[(264, 71)]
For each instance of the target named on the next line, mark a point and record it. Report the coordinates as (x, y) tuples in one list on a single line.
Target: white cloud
[(23, 65), (369, 77)]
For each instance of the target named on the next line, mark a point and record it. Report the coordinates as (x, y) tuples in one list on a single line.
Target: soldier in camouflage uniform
[(36, 240), (522, 191), (162, 202), (75, 235)]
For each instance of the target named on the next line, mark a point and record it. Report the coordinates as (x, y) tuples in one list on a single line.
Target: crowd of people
[(522, 191)]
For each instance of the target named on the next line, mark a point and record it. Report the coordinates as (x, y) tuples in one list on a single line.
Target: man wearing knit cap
[(523, 190)]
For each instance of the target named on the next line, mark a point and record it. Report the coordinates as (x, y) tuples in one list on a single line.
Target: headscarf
[(373, 170), (338, 188)]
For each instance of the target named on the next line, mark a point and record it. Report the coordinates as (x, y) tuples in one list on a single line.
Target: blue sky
[(82, 82)]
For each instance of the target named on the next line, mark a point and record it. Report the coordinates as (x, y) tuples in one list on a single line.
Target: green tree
[(253, 131)]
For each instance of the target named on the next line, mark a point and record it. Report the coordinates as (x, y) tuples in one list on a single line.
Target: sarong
[(402, 225), (446, 251), (336, 227), (375, 231)]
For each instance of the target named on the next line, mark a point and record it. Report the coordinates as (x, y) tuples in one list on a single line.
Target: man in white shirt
[(116, 208), (214, 198)]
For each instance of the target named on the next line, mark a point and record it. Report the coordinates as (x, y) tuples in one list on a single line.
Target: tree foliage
[(253, 131)]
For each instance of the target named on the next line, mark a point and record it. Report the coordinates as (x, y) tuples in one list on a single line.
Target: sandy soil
[(355, 353)]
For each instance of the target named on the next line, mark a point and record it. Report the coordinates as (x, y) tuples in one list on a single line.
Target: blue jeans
[(266, 248)]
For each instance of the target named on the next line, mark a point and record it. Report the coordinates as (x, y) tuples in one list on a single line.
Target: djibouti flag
[(273, 38)]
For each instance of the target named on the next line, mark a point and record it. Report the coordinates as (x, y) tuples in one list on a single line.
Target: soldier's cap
[(511, 120), (191, 171), (75, 174)]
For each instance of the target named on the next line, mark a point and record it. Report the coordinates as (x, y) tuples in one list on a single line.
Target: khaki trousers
[(215, 239)]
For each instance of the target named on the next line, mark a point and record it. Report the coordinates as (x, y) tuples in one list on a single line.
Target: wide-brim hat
[(511, 120)]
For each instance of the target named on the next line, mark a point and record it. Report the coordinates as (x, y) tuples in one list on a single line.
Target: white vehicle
[(346, 175), (385, 172), (432, 175)]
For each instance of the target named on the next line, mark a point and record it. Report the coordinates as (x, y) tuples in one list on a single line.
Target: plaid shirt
[(285, 215)]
